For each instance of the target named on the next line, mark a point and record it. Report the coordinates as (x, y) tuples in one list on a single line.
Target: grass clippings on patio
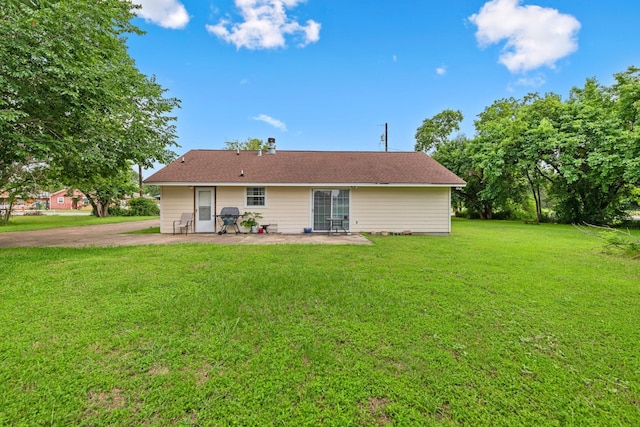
[(498, 324)]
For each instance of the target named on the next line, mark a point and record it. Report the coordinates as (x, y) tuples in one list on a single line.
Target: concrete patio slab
[(112, 235)]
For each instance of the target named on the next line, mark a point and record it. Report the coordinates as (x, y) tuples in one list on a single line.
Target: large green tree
[(479, 161), (437, 130), (594, 155), (104, 192), (458, 155), (70, 95), (514, 137), (583, 153)]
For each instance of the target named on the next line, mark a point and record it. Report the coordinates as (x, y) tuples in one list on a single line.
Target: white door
[(205, 211)]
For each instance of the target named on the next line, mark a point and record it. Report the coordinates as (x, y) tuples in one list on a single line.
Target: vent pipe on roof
[(271, 144), (259, 153)]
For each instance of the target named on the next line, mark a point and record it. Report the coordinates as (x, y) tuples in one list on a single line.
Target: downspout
[(449, 209)]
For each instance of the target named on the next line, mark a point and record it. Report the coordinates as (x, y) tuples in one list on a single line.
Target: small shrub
[(117, 211), (143, 207)]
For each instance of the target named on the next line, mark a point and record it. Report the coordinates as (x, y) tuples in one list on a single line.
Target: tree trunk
[(6, 214), (535, 189), (539, 206), (100, 208), (140, 179), (486, 213)]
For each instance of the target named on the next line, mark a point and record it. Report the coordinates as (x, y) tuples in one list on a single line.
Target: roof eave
[(303, 184)]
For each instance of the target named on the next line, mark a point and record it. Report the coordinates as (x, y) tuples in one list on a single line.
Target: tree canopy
[(249, 144), (437, 129), (71, 97), (580, 156)]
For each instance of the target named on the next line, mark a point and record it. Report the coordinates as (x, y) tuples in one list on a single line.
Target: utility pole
[(140, 178), (385, 137)]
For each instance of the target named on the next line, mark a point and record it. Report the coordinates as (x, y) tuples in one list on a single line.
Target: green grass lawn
[(499, 324), (149, 230), (41, 222)]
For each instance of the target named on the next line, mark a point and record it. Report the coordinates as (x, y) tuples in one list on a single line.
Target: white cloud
[(535, 81), (535, 36), (165, 13), (441, 71), (270, 120), (265, 25)]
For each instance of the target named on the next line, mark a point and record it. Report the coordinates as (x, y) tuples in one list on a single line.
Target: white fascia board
[(301, 184)]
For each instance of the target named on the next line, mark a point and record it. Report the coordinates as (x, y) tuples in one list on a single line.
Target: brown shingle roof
[(305, 167)]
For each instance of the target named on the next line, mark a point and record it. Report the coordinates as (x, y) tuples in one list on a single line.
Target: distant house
[(297, 190), (62, 200), (4, 198), (20, 204)]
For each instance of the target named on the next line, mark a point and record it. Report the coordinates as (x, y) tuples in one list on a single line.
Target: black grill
[(229, 217)]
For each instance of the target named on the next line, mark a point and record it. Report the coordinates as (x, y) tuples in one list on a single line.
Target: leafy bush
[(143, 207), (136, 207), (115, 210)]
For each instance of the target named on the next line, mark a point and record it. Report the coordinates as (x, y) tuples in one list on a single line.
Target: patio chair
[(185, 221)]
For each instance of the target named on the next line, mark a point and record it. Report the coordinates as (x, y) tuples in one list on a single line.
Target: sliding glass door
[(328, 205)]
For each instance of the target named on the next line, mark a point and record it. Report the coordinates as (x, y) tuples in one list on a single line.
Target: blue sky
[(328, 74)]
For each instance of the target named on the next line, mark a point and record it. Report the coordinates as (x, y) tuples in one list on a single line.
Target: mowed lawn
[(499, 324), (41, 222)]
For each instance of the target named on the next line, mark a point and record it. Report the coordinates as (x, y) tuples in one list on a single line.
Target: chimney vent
[(271, 144)]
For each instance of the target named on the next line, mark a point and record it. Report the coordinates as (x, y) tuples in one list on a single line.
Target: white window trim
[(246, 196), (327, 188), (60, 200)]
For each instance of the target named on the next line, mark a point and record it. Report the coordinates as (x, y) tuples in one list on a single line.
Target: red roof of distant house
[(305, 167)]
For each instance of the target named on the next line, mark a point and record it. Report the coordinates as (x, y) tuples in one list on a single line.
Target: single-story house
[(298, 190), (62, 199)]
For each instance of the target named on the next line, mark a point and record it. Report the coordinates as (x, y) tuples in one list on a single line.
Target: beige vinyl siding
[(419, 210), (288, 209), (173, 202)]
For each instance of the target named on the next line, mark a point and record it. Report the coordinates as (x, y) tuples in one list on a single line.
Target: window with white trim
[(256, 196), (60, 200)]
